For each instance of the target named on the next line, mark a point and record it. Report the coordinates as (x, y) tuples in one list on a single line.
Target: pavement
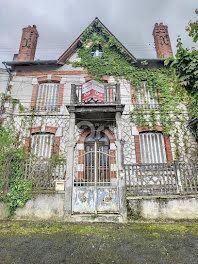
[(139, 243)]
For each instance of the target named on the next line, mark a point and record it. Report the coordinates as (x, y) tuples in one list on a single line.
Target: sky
[(60, 22)]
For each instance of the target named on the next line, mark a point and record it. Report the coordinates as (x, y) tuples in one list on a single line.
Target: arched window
[(96, 51), (152, 147)]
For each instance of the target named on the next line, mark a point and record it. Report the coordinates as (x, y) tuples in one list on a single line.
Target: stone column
[(69, 170), (121, 173)]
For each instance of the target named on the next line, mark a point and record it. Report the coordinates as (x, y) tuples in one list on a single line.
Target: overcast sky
[(60, 22)]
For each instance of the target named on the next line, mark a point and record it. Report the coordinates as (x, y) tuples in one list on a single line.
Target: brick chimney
[(162, 41), (28, 44)]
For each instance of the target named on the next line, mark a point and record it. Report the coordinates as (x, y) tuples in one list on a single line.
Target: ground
[(44, 242)]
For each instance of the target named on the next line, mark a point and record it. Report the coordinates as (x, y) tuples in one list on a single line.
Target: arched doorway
[(95, 186), (97, 158)]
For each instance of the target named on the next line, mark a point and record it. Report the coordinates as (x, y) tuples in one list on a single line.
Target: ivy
[(116, 62)]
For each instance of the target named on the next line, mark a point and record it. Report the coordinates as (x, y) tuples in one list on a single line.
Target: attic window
[(96, 51)]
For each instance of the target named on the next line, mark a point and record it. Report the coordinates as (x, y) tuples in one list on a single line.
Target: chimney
[(162, 41), (28, 44)]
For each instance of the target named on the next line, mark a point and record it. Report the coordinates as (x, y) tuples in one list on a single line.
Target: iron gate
[(94, 188)]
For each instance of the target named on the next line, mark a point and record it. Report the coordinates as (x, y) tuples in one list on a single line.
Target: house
[(96, 107), (4, 77)]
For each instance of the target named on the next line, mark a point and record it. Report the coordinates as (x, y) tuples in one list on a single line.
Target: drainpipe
[(6, 90)]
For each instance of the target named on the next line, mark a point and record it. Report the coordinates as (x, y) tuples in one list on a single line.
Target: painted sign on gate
[(93, 90)]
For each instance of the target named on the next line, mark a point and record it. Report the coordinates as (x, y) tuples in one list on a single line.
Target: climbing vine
[(116, 62)]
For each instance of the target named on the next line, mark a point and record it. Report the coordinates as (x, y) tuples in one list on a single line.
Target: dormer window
[(96, 51)]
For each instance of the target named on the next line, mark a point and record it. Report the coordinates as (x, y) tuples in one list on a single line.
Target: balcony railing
[(46, 108), (148, 106), (161, 178), (111, 95)]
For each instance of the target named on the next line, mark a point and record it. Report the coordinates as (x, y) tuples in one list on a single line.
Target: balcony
[(94, 109)]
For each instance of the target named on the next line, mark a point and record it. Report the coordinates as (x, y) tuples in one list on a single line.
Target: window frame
[(40, 151), (50, 103), (152, 147)]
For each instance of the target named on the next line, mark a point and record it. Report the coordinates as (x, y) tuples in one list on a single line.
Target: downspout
[(6, 90)]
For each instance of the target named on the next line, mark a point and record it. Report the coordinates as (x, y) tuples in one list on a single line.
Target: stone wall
[(163, 208)]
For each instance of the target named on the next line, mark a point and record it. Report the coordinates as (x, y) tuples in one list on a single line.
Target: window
[(152, 147), (146, 98), (42, 144), (47, 99), (97, 51)]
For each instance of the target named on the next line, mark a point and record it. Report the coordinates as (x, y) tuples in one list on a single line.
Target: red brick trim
[(27, 144), (137, 148), (50, 129), (81, 152), (83, 135), (89, 78), (112, 156), (60, 96), (56, 145), (44, 79), (106, 131), (113, 174), (169, 156), (80, 174), (109, 134), (34, 94), (133, 101), (51, 73), (35, 130), (147, 128)]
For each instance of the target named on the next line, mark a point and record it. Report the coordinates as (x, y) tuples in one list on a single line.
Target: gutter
[(29, 63)]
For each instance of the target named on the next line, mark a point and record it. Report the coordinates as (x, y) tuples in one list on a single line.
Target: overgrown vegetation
[(174, 99), (14, 189), (185, 67)]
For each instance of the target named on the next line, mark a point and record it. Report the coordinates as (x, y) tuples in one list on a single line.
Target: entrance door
[(94, 189)]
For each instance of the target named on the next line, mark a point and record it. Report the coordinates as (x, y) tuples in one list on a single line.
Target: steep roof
[(75, 44)]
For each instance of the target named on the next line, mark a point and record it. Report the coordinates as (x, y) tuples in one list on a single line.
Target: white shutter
[(152, 147), (42, 144), (47, 99)]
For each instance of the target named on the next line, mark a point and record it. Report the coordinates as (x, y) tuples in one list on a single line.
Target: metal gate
[(94, 188)]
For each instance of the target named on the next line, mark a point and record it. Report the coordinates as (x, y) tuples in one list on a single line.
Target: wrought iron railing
[(148, 106), (44, 172), (161, 178), (111, 95), (46, 108)]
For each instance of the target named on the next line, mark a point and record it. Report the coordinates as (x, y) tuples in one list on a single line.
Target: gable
[(97, 28)]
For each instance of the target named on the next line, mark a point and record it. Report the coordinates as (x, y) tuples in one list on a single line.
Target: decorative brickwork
[(56, 145), (167, 143), (162, 41), (133, 101), (38, 73), (137, 148), (146, 128), (28, 44), (34, 94), (35, 130), (60, 96), (50, 129), (27, 144)]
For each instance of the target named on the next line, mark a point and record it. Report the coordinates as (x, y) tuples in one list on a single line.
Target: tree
[(185, 66)]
